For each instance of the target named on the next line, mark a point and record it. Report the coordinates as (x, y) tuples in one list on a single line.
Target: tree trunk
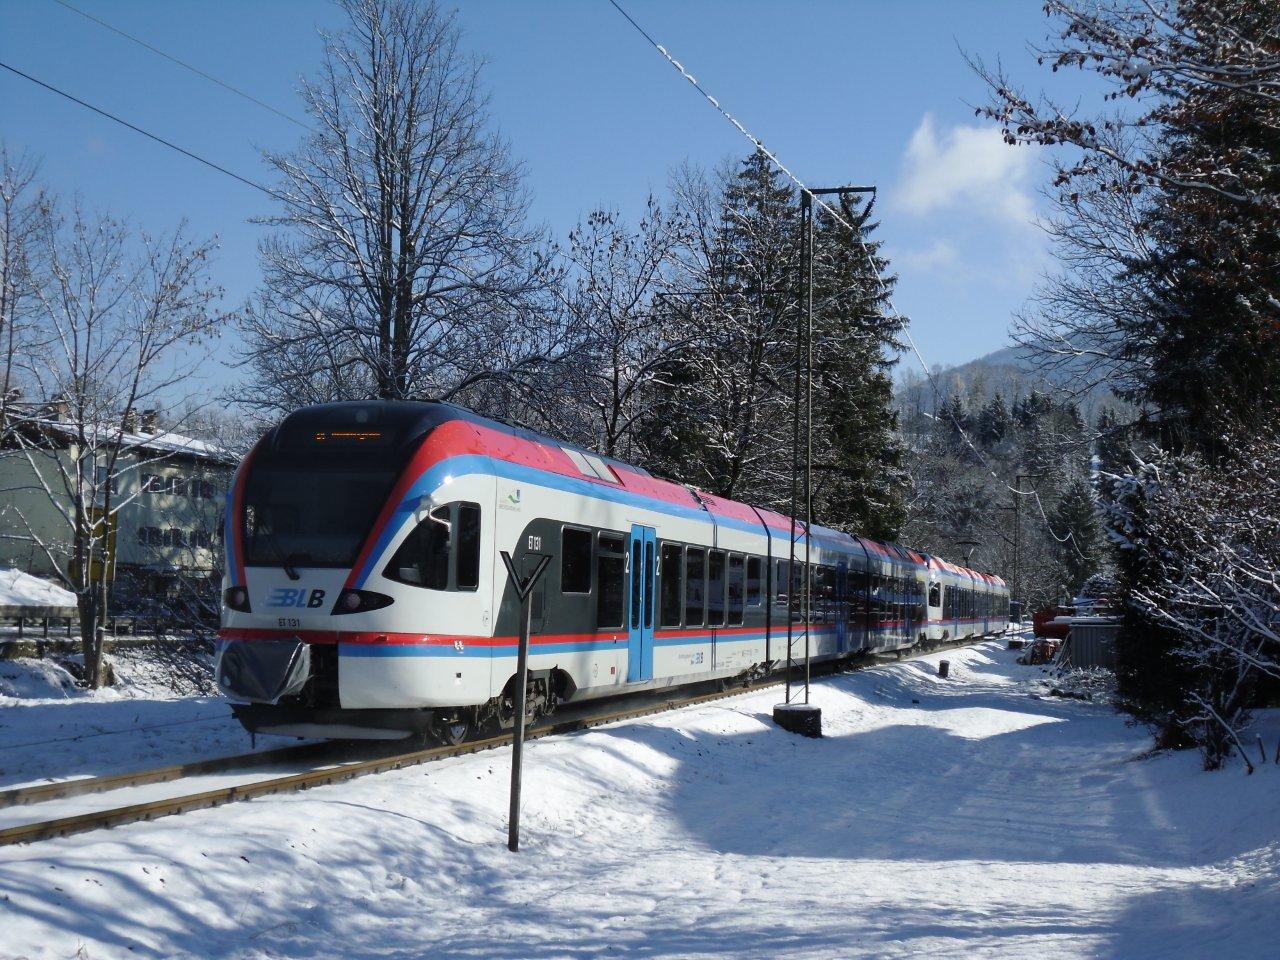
[(90, 642)]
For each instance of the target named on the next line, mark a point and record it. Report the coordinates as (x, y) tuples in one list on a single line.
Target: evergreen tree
[(994, 420), (722, 420), (858, 473), (1077, 532), (1213, 277)]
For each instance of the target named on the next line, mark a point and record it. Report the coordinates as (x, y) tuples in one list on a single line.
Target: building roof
[(157, 441)]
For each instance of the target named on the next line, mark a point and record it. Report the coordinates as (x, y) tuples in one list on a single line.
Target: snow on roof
[(160, 441), (18, 589), (175, 443)]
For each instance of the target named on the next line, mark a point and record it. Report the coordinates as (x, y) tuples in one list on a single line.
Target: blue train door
[(644, 547)]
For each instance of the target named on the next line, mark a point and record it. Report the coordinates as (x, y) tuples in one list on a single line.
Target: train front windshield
[(310, 516), (311, 499)]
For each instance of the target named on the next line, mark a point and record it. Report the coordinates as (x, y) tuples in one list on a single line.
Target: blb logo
[(295, 597)]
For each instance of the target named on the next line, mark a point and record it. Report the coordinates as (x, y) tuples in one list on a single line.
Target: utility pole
[(524, 590), (970, 546), (804, 717), (1018, 494)]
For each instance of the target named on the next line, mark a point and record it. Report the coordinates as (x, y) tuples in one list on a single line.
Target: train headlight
[(236, 598), (360, 601)]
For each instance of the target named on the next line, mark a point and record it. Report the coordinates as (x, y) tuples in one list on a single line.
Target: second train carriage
[(364, 593)]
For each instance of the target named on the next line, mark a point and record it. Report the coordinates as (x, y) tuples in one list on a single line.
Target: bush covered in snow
[(1199, 551)]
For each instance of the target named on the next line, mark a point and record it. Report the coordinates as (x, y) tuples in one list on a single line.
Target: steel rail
[(132, 813), (60, 789)]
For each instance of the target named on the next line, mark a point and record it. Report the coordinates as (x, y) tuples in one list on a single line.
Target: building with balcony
[(165, 492)]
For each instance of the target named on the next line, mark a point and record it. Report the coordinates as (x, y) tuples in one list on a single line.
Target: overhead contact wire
[(150, 136), (186, 66), (885, 294)]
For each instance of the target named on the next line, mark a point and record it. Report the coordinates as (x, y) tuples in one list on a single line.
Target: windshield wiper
[(270, 537)]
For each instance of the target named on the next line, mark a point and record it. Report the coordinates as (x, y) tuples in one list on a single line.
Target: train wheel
[(452, 729)]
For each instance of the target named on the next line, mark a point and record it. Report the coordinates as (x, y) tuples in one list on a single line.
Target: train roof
[(406, 422)]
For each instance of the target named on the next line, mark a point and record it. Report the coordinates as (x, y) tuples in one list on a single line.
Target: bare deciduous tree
[(404, 268), (22, 207), (1208, 544), (1168, 200), (729, 399), (612, 296), (123, 317)]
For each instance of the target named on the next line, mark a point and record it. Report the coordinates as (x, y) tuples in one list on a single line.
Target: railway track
[(336, 770)]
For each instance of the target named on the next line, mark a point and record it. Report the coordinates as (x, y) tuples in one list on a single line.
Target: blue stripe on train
[(466, 464), (540, 649)]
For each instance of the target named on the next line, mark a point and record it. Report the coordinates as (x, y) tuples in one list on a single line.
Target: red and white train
[(364, 593)]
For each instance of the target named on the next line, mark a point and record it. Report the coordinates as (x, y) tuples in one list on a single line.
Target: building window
[(105, 480), (575, 560), (610, 580)]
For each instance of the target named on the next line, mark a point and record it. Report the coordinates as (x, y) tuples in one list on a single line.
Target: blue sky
[(864, 91)]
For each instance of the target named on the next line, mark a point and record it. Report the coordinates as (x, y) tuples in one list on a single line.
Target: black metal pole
[(524, 590), (808, 438), (517, 744), (805, 208)]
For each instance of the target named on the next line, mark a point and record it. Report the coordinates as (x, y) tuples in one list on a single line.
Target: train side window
[(671, 576), (755, 572), (780, 579), (935, 594), (818, 593), (423, 558), (468, 570), (797, 590), (737, 589), (648, 585), (610, 581), (715, 588), (575, 560), (695, 585), (637, 575)]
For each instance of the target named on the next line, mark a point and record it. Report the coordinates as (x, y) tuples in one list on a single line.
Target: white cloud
[(969, 169), (940, 253)]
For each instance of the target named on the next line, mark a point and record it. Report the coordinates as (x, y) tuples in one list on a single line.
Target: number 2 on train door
[(640, 601)]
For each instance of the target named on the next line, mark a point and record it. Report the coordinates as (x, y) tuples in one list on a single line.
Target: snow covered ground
[(20, 589), (52, 730), (960, 818)]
